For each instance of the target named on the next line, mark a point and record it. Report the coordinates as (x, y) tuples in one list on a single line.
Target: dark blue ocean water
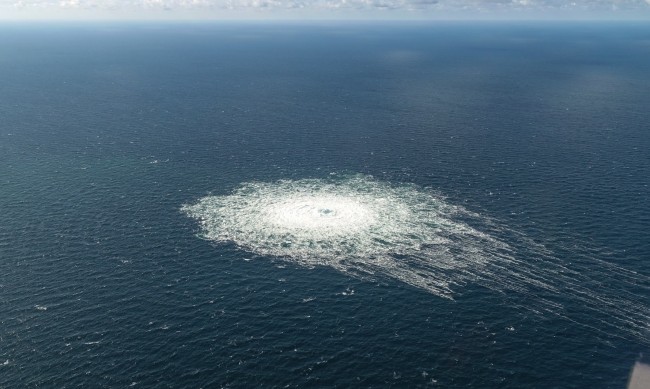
[(106, 131)]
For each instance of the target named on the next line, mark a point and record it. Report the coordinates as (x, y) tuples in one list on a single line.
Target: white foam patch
[(355, 225), (371, 229)]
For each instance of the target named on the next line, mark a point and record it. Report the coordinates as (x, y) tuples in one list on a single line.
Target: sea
[(325, 204)]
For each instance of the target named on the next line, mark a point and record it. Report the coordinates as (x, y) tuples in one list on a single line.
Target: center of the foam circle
[(327, 212), (334, 215)]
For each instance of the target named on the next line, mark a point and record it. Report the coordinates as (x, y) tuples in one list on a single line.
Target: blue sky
[(323, 9)]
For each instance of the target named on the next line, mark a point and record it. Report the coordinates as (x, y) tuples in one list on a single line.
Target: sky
[(322, 9)]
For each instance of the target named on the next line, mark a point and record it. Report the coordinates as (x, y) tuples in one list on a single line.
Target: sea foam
[(372, 230)]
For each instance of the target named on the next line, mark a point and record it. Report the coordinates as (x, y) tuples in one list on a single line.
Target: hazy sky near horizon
[(323, 9)]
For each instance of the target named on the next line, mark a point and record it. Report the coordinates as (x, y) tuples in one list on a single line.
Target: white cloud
[(69, 3), (419, 8)]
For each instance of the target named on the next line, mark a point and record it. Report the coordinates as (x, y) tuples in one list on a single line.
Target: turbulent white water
[(371, 229), (356, 225)]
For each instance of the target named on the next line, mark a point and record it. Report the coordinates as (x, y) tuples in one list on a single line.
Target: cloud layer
[(323, 8)]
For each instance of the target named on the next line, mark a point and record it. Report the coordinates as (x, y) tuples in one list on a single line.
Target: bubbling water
[(325, 214), (373, 230), (356, 225)]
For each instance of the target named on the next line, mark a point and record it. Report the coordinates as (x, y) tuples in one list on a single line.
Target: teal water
[(517, 154)]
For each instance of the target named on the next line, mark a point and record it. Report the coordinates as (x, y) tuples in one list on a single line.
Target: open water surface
[(249, 205)]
